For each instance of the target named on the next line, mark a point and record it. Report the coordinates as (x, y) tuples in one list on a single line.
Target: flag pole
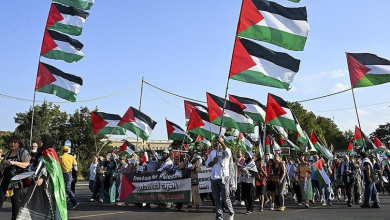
[(140, 100), (228, 80)]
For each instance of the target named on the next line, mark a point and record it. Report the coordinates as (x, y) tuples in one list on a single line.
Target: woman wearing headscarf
[(248, 174), (13, 163), (108, 193), (194, 164), (46, 199)]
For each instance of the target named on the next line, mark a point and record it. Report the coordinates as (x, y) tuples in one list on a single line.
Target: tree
[(383, 133)]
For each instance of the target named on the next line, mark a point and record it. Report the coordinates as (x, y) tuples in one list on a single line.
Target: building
[(156, 145)]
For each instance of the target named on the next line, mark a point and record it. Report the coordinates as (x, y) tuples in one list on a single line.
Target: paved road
[(92, 211)]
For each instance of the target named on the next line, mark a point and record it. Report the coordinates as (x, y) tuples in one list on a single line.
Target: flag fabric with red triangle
[(366, 69), (190, 106), (176, 133), (59, 46), (127, 149), (200, 124), (320, 173), (320, 146), (245, 141), (203, 141), (270, 22), (252, 108), (380, 146), (127, 188), (350, 146), (362, 141), (68, 20), (278, 113), (138, 123), (233, 116), (105, 123)]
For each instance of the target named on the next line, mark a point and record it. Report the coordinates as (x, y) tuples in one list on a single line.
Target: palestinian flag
[(81, 4), (379, 145), (279, 130), (68, 20), (138, 123), (127, 149), (275, 146), (245, 141), (319, 171), (309, 146), (233, 117), (366, 69), (252, 108), (59, 46), (270, 22), (350, 146), (53, 81), (301, 136), (285, 142), (115, 154), (230, 140), (203, 141), (362, 140), (127, 188), (104, 123), (255, 64), (320, 146), (278, 113), (199, 124), (52, 164), (176, 133), (267, 149), (189, 106)]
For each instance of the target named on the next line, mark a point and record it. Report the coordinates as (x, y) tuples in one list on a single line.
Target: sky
[(185, 47)]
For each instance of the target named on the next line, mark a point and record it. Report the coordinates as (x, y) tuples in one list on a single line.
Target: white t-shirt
[(92, 171)]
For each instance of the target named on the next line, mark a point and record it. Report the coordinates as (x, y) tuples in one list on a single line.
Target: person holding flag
[(369, 178), (348, 172), (304, 171)]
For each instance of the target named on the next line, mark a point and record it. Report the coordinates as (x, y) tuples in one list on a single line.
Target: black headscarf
[(47, 142)]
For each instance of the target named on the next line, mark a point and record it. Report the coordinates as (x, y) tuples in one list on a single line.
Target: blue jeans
[(68, 181), (327, 193), (219, 190), (370, 192), (91, 185)]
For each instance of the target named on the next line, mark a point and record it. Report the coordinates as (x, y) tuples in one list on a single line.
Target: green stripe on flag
[(259, 78), (274, 36), (65, 28), (112, 130), (59, 91), (372, 80), (61, 55), (136, 130)]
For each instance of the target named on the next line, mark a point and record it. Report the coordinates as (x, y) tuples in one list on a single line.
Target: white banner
[(204, 180)]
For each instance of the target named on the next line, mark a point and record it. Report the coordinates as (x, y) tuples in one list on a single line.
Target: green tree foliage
[(383, 133)]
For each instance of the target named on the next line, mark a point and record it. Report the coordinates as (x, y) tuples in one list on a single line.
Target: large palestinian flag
[(127, 149), (189, 106), (253, 63), (380, 146), (138, 123), (199, 124), (320, 146), (366, 69), (81, 4), (233, 117), (278, 113), (319, 171), (53, 81), (270, 22), (361, 140), (252, 108), (59, 46), (104, 123), (65, 19), (176, 133)]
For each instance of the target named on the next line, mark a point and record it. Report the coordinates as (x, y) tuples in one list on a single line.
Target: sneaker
[(299, 204), (329, 203), (261, 209), (242, 203), (266, 201), (75, 205), (272, 207), (282, 208), (257, 199), (231, 217), (323, 203), (91, 199), (307, 205), (375, 205), (247, 212), (349, 204), (236, 202)]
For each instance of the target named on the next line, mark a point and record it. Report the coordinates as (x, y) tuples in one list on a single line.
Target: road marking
[(301, 210), (89, 216)]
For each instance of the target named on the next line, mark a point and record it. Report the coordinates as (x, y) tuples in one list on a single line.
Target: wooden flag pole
[(231, 62)]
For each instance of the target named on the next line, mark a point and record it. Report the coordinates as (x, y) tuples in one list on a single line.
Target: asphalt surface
[(92, 210)]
